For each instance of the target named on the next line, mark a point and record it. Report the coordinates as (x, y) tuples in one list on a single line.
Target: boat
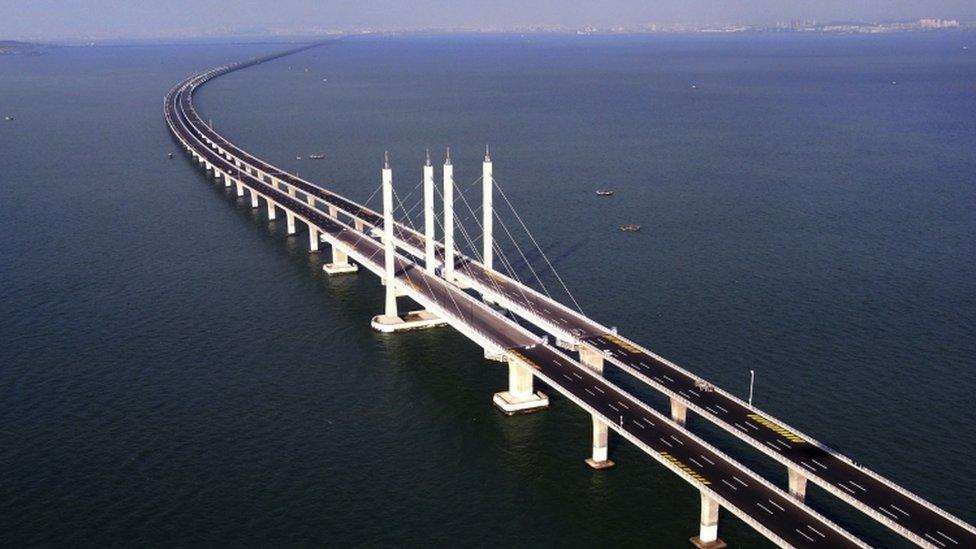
[(630, 228), (169, 155), (298, 158), (8, 117), (316, 156), (602, 192)]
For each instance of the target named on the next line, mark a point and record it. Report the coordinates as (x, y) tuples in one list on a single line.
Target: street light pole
[(752, 379)]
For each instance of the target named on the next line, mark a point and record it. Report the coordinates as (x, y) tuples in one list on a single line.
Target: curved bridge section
[(398, 259)]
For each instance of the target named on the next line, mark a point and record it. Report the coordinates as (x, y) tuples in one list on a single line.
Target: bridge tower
[(390, 321), (429, 214), (487, 212), (448, 218)]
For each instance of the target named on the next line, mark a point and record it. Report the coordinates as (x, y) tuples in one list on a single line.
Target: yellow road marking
[(777, 428), (684, 468), (625, 345)]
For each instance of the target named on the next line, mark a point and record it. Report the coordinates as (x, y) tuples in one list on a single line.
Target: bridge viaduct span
[(434, 273)]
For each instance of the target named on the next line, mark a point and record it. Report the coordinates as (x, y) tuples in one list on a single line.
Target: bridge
[(566, 350)]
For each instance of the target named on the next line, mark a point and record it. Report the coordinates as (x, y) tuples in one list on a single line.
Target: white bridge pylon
[(390, 320)]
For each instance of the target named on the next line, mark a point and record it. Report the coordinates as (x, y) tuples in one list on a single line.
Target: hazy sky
[(54, 19)]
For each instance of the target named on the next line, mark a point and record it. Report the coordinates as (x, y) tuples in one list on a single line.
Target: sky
[(80, 19)]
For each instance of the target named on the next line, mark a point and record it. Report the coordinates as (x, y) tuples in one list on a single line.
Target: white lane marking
[(637, 423), (710, 462), (752, 425), (934, 539), (577, 375), (644, 364), (887, 512), (815, 531), (863, 489), (615, 409), (647, 421), (624, 405), (721, 408), (568, 378), (666, 442), (674, 438), (782, 443), (601, 390), (713, 412), (776, 505), (592, 394), (667, 377), (946, 537), (737, 479), (821, 465), (808, 466), (764, 508), (741, 428), (730, 485), (695, 461), (896, 508), (798, 531), (680, 392), (694, 394), (771, 445)]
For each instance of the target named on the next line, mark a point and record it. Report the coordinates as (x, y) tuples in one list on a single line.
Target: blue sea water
[(174, 370)]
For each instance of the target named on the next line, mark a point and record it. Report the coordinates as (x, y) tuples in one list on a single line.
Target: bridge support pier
[(798, 483), (254, 198), (359, 225), (679, 411), (226, 179), (340, 263), (271, 210), (593, 360), (707, 537), (240, 189), (333, 212), (291, 222), (520, 397), (313, 240)]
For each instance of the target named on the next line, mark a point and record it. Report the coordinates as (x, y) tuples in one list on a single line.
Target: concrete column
[(429, 214), (291, 191), (679, 411), (390, 310), (359, 226), (310, 200), (254, 198), (486, 212), (340, 263), (240, 189), (448, 218), (707, 537), (313, 239), (520, 397), (271, 210), (798, 483), (593, 360), (333, 212), (291, 221), (226, 179)]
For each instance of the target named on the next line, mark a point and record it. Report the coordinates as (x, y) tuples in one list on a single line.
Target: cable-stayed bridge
[(564, 348)]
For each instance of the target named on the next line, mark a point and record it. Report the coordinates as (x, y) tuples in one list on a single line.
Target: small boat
[(169, 155), (298, 158), (8, 117), (316, 156), (602, 192), (630, 228)]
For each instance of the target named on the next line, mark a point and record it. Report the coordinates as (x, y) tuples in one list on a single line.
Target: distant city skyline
[(48, 20)]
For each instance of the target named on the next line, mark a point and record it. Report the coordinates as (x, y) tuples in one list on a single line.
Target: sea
[(175, 370)]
